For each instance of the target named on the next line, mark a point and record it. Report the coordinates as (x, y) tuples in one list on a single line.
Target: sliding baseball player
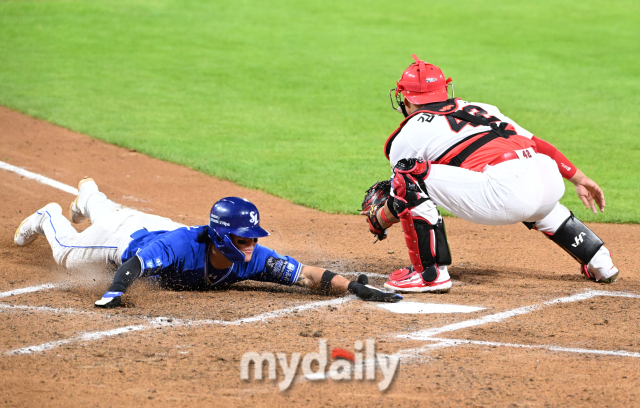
[(203, 257)]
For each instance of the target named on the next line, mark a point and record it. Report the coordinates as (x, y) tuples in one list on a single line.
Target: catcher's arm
[(327, 281)]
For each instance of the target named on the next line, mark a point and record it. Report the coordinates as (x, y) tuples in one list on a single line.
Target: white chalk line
[(37, 177), (441, 343), (170, 322), (408, 354), (369, 274), (27, 290), (497, 317), (83, 337), (46, 309)]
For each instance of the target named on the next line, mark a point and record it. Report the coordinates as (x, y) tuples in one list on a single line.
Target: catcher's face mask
[(399, 105)]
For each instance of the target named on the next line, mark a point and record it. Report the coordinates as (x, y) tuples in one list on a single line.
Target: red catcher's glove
[(374, 199)]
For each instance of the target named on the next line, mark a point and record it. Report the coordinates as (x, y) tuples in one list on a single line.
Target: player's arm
[(327, 281), (588, 190), (125, 275), (159, 254)]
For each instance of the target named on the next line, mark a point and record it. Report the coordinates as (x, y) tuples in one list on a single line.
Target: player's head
[(234, 219), (420, 83)]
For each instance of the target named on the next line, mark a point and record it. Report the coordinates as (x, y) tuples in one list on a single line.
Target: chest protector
[(460, 117)]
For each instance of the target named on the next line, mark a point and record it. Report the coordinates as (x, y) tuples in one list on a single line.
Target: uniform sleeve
[(567, 169), (170, 250), (267, 265), (402, 147)]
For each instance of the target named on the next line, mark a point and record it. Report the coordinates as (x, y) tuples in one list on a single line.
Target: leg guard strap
[(577, 239), (427, 245)]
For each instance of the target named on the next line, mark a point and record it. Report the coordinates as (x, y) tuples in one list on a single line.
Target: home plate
[(425, 308)]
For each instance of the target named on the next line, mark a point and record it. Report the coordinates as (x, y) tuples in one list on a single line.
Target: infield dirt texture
[(583, 350)]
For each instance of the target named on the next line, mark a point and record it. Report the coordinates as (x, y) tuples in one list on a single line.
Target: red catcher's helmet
[(423, 83)]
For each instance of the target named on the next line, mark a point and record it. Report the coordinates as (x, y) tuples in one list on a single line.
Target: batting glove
[(371, 294)]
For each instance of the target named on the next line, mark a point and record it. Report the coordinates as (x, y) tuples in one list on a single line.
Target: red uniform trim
[(443, 108), (567, 169)]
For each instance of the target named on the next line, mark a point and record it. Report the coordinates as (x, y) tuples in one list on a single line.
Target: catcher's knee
[(577, 239)]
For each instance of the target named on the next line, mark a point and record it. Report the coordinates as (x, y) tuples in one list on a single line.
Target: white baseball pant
[(107, 237)]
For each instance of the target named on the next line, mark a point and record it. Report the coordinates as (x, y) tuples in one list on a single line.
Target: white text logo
[(578, 240), (346, 365), (254, 218)]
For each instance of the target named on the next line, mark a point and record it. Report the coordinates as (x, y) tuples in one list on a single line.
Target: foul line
[(27, 290), (39, 178), (170, 322)]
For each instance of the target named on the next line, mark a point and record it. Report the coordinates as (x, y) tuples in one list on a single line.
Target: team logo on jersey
[(430, 80), (254, 218), (446, 108)]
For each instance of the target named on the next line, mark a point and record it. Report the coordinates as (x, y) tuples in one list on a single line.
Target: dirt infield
[(184, 348)]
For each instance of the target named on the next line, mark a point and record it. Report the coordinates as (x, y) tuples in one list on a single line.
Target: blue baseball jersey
[(179, 259)]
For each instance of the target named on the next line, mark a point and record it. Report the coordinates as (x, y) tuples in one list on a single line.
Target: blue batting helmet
[(237, 216)]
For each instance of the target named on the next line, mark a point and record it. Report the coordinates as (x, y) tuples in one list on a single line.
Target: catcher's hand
[(369, 293), (374, 199)]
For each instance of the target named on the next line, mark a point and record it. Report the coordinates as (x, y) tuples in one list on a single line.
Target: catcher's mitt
[(376, 195), (374, 199)]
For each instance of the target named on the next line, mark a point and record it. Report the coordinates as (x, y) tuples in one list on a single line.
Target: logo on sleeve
[(149, 264), (289, 274), (276, 266), (254, 218)]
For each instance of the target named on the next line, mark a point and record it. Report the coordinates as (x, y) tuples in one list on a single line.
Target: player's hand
[(371, 294), (589, 192), (109, 300)]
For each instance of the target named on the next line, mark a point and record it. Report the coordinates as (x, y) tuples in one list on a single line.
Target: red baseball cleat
[(406, 280)]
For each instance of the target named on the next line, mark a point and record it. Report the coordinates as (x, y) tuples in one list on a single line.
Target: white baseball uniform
[(482, 189), (108, 236)]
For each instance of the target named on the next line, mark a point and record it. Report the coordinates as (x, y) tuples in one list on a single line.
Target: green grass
[(291, 98)]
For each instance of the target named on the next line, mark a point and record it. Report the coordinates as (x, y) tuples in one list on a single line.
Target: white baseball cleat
[(86, 186), (601, 268), (29, 229), (406, 280)]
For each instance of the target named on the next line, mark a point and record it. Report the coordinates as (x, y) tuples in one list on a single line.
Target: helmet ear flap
[(231, 252)]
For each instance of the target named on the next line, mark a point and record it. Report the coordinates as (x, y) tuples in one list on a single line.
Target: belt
[(514, 154)]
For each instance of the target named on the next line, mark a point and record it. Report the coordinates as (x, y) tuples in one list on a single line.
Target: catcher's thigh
[(510, 192)]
